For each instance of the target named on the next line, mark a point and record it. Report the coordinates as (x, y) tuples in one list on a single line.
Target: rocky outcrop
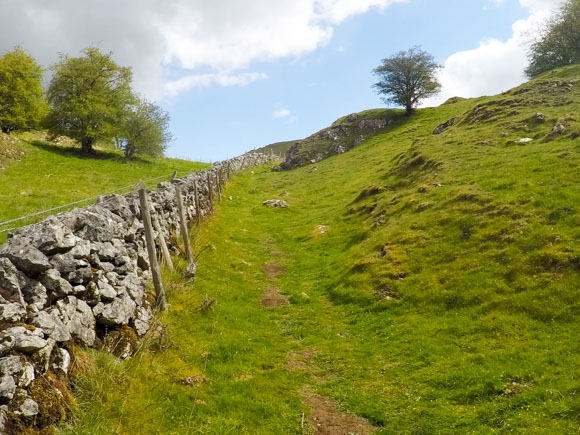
[(80, 275), (343, 135)]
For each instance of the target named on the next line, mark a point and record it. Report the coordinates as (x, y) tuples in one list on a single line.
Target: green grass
[(443, 298), (277, 148), (50, 175)]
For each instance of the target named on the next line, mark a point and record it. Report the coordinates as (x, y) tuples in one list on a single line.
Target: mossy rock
[(53, 398), (122, 342)]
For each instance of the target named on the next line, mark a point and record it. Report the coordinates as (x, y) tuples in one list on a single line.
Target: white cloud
[(197, 42), (176, 87), (282, 113), (494, 66)]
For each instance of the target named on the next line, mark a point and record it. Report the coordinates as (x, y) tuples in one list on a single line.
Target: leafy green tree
[(145, 130), (559, 43), (89, 97), (407, 77), (22, 103)]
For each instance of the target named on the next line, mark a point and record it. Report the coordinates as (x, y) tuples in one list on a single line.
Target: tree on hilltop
[(89, 97), (407, 77), (22, 103), (558, 44), (145, 130)]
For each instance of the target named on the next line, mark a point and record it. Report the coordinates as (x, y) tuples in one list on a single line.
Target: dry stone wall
[(81, 274)]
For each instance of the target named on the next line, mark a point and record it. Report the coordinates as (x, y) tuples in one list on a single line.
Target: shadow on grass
[(78, 153)]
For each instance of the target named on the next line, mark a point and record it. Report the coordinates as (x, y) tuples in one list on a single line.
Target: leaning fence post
[(196, 200), (219, 184), (164, 250), (174, 176), (183, 224), (209, 193), (150, 242)]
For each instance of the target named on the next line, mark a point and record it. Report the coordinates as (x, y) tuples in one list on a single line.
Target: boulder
[(275, 203), (134, 286), (78, 318), (7, 388), (141, 321), (27, 375), (52, 325), (61, 360), (25, 339), (9, 284), (27, 258), (34, 293), (29, 408), (10, 365), (50, 236), (12, 312), (118, 312), (57, 286), (81, 276), (106, 290)]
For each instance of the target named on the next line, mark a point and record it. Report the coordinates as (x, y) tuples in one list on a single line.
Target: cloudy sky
[(239, 74)]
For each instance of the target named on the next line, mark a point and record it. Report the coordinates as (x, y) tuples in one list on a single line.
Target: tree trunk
[(87, 145)]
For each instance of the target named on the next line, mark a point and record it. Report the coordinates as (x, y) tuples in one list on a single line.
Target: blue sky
[(242, 74)]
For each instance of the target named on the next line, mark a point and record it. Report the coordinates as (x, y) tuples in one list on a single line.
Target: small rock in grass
[(275, 203)]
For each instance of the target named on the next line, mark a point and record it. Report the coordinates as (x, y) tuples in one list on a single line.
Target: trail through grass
[(433, 286)]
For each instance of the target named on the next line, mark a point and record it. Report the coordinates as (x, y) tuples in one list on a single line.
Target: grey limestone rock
[(34, 292), (118, 312), (442, 127), (58, 286), (134, 286), (27, 258), (78, 318), (29, 408), (6, 344), (9, 284), (12, 312), (275, 203), (27, 375), (106, 290), (10, 365), (7, 388), (61, 360), (25, 340), (141, 321), (51, 236), (51, 323)]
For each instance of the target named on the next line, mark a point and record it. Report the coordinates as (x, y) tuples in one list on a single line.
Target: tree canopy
[(89, 97), (407, 77), (558, 44), (22, 103), (145, 130)]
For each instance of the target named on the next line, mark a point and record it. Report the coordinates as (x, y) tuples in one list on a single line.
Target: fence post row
[(209, 192), (164, 249), (183, 224), (161, 300), (219, 184)]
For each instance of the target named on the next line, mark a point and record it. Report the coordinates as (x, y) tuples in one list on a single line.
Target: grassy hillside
[(277, 148), (424, 283), (36, 175)]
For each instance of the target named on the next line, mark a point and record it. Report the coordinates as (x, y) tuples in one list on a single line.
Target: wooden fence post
[(174, 176), (229, 170), (197, 207), (219, 184), (161, 300), (209, 193), (183, 224), (164, 250)]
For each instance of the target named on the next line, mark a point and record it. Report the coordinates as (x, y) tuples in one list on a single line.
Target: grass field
[(41, 175), (424, 283)]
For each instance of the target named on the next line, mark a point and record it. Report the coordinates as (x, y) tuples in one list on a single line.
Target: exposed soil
[(273, 270), (300, 360), (273, 299), (327, 419)]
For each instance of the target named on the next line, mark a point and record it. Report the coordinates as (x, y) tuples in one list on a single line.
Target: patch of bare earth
[(272, 298), (327, 419), (301, 360), (273, 270)]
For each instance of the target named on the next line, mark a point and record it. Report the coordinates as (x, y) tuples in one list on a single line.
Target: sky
[(236, 75)]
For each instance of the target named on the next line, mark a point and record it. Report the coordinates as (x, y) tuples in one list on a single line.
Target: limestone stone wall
[(77, 276)]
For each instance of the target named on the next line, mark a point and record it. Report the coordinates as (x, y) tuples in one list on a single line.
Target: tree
[(89, 96), (145, 130), (558, 44), (22, 103), (407, 77)]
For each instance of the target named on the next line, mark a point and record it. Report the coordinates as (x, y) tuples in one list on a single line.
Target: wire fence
[(27, 219)]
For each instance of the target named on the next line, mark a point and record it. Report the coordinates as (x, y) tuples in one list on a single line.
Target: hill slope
[(36, 175), (424, 283)]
